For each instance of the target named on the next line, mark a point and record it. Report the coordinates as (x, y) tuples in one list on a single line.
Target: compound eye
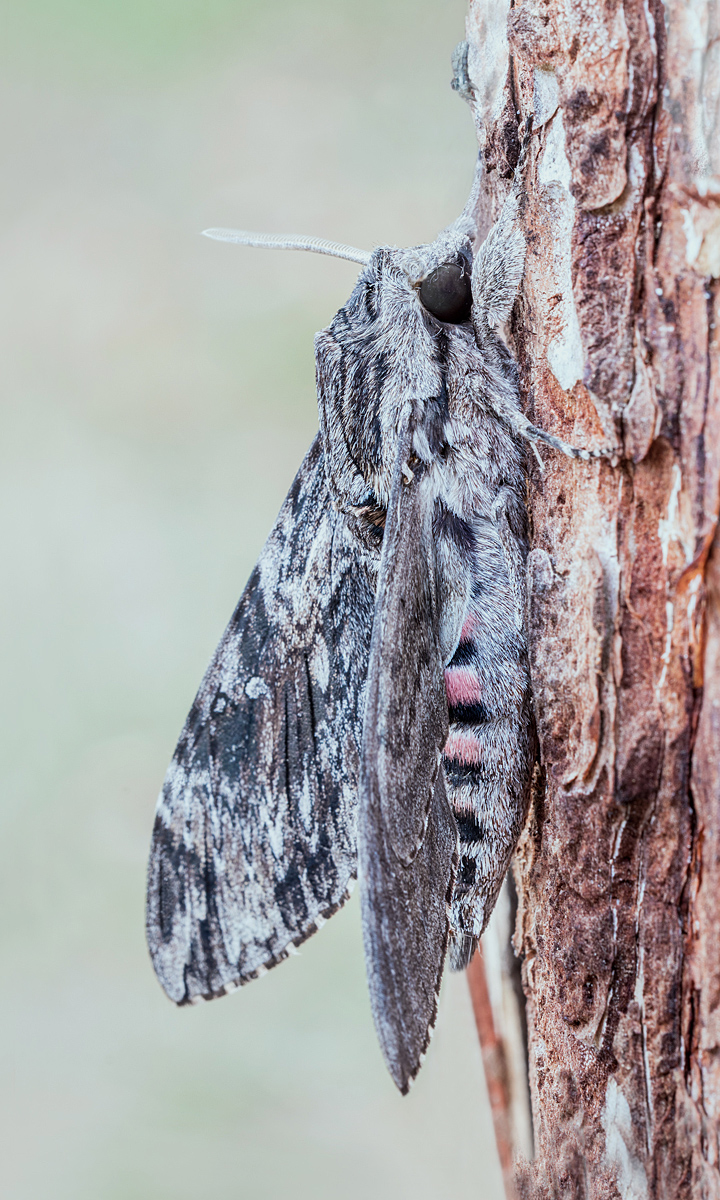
[(447, 294)]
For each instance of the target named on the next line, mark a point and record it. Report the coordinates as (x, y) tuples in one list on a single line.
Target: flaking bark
[(618, 871)]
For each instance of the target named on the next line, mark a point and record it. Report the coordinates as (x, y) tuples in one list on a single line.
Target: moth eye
[(446, 293)]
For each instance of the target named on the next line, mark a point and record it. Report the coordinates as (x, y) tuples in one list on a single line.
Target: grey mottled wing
[(407, 839), (255, 834)]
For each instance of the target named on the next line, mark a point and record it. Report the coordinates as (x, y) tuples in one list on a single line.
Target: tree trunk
[(618, 872)]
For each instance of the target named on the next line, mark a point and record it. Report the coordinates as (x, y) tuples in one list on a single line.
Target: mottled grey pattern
[(256, 831), (385, 361), (408, 838), (370, 699), (255, 834)]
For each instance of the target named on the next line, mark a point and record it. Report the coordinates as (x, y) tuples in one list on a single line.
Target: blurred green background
[(158, 396)]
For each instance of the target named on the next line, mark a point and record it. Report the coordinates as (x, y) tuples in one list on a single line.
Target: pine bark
[(618, 871)]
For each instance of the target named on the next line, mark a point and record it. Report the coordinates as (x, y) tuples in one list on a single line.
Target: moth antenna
[(283, 241)]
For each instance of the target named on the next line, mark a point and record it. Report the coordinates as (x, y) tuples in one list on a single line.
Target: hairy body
[(383, 359)]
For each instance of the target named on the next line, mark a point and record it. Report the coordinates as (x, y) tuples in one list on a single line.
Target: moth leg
[(533, 434), (524, 428)]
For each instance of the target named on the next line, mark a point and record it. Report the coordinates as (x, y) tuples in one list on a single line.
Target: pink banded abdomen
[(466, 711)]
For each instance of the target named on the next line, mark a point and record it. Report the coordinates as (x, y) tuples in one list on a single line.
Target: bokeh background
[(157, 398)]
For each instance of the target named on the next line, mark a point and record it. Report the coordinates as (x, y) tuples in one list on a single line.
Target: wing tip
[(455, 862), (407, 1079), (189, 999), (404, 1061)]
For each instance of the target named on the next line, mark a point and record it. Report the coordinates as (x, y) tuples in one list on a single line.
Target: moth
[(367, 712)]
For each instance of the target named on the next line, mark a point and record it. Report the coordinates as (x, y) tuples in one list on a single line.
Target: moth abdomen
[(488, 753), (469, 828), (466, 708), (473, 713), (467, 875)]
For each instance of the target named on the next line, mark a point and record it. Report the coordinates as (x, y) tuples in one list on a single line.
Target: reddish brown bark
[(496, 1069), (618, 871)]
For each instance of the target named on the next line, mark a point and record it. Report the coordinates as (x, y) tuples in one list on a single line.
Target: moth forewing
[(405, 724), (407, 837), (255, 833)]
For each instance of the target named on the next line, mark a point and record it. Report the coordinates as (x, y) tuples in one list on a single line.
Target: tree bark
[(618, 871), (499, 1007)]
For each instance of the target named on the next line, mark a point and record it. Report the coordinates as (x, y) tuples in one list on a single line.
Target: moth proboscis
[(368, 711)]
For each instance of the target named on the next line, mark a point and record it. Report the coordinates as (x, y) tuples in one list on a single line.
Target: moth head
[(446, 291), (456, 282), (441, 276)]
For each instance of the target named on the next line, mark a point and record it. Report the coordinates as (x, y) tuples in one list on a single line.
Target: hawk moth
[(368, 712)]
